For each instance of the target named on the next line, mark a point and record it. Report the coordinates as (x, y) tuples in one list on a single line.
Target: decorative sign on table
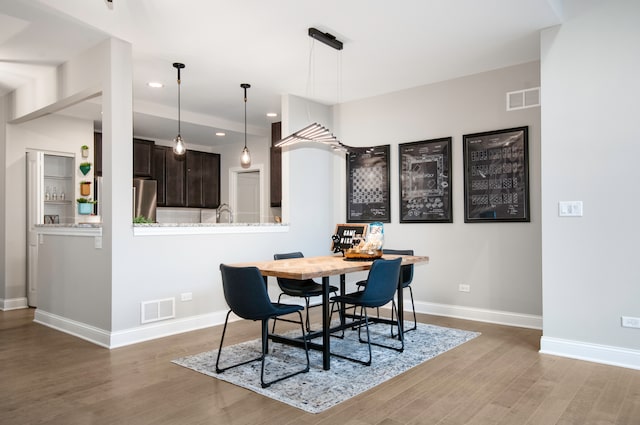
[(425, 181), (368, 197), (346, 234), (496, 176)]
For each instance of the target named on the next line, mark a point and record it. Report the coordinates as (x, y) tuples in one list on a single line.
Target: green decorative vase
[(85, 168)]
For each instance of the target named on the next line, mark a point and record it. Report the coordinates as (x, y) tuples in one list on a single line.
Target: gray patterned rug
[(319, 389)]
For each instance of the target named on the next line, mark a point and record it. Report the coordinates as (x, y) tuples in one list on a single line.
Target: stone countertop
[(70, 226), (165, 229), (99, 225), (207, 224)]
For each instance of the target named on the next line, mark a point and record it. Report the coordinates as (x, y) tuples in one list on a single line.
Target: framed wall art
[(368, 197), (425, 181), (496, 176)]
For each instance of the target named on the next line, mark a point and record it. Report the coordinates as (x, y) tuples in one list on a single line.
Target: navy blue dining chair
[(246, 294), (299, 288), (382, 283), (406, 277)]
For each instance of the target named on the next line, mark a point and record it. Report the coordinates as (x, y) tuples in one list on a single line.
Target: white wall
[(590, 139), (501, 261), (3, 208), (71, 274)]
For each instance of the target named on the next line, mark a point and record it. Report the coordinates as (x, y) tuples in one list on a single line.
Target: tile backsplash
[(185, 215)]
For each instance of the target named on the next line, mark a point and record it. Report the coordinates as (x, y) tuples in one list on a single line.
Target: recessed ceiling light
[(272, 114), (220, 133), (155, 85)]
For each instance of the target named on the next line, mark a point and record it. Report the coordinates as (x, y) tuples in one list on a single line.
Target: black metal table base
[(327, 330)]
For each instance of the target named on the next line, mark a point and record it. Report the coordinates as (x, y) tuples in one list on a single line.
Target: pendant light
[(245, 158), (179, 148), (316, 132)]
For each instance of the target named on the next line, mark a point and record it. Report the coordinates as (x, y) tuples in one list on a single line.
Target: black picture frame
[(425, 181), (368, 191), (496, 176)]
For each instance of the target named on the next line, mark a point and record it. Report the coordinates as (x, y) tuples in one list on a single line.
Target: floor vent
[(153, 311), (522, 99)]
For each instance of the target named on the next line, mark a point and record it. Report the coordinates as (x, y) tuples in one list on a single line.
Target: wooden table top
[(312, 267)]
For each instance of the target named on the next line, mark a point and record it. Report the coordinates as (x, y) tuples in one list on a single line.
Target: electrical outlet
[(630, 322), (186, 296), (570, 209), (464, 288)]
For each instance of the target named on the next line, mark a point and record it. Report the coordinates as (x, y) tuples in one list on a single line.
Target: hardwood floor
[(48, 377)]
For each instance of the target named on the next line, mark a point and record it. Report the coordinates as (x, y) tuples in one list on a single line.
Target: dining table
[(324, 267)]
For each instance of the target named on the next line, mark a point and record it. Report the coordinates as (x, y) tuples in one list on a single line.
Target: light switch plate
[(570, 208)]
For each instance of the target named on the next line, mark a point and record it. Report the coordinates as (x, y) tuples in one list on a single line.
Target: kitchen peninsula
[(144, 229)]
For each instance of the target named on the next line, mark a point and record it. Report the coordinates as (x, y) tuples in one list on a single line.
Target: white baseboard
[(166, 328), (13, 304), (477, 314), (81, 330), (175, 326), (614, 356), (130, 336)]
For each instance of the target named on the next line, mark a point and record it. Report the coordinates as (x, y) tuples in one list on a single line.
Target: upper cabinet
[(170, 173), (97, 154), (159, 171), (276, 165), (203, 179), (191, 180), (143, 158)]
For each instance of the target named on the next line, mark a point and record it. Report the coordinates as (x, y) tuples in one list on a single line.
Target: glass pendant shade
[(179, 148), (245, 158)]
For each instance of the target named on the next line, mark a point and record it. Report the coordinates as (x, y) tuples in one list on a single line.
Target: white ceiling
[(388, 46)]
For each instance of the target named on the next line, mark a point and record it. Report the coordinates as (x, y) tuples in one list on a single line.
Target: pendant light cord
[(178, 101)]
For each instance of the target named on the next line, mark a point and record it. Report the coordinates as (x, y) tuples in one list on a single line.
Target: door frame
[(233, 187)]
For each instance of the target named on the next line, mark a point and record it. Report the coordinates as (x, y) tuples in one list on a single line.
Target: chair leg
[(307, 324), (366, 320), (400, 334), (224, 331), (265, 336), (415, 318), (413, 306), (333, 308), (273, 330)]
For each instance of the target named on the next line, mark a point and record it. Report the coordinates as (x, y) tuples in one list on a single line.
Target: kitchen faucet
[(224, 208)]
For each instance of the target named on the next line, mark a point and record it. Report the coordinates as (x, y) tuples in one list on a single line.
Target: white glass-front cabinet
[(50, 200)]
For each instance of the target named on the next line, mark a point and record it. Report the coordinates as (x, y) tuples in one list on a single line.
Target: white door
[(35, 172), (248, 201)]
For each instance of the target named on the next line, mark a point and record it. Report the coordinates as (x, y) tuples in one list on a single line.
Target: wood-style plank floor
[(48, 377)]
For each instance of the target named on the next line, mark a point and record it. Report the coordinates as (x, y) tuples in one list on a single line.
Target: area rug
[(320, 389)]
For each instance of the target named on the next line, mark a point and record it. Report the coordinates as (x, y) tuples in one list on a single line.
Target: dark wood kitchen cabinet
[(143, 158), (203, 179), (170, 173), (275, 173), (97, 154), (191, 180), (159, 170)]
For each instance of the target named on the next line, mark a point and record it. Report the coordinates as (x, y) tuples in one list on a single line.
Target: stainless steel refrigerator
[(145, 196)]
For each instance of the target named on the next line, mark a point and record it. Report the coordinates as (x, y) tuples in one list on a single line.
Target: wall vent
[(522, 99), (153, 311)]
